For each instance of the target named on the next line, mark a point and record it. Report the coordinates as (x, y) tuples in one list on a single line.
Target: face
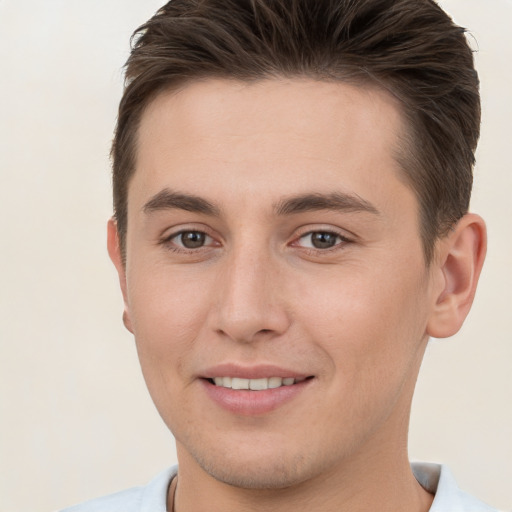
[(272, 245)]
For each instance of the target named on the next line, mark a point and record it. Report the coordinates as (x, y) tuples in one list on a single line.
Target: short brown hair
[(409, 47)]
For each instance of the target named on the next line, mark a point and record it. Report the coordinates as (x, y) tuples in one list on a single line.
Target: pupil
[(323, 240), (192, 239)]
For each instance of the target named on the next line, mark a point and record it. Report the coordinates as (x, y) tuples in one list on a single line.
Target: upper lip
[(250, 372)]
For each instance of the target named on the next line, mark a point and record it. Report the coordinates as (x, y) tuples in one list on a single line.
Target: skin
[(355, 317)]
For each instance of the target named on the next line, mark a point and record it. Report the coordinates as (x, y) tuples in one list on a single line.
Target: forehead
[(276, 135)]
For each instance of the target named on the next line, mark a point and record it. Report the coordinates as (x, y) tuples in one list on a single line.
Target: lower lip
[(250, 403)]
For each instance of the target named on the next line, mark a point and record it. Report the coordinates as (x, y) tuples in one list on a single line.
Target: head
[(409, 48), (291, 181)]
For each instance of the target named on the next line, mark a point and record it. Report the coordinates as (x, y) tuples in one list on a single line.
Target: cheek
[(364, 320), (168, 311)]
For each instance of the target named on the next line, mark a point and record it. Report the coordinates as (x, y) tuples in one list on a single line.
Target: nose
[(250, 301)]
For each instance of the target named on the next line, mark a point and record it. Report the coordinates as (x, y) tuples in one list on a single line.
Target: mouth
[(254, 390), (261, 384)]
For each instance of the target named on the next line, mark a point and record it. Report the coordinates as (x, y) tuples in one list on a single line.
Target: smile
[(261, 395), (262, 384)]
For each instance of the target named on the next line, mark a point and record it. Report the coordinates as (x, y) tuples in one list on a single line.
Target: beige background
[(76, 420)]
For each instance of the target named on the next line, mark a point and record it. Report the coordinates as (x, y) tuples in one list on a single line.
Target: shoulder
[(439, 480), (124, 501), (149, 498)]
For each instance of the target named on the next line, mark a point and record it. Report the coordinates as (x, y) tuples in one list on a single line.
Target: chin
[(247, 474), (257, 465)]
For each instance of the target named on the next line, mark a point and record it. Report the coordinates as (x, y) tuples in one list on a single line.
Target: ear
[(114, 251), (461, 255)]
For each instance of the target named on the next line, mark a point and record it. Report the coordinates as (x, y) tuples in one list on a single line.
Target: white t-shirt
[(435, 478)]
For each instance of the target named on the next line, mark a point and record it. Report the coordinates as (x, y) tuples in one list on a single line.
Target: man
[(291, 190)]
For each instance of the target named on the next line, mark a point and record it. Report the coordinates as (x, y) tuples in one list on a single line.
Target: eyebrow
[(169, 200), (336, 201)]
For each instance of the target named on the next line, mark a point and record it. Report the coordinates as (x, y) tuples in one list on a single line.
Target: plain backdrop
[(76, 419)]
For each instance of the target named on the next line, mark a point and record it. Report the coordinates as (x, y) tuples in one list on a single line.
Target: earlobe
[(114, 251), (461, 256)]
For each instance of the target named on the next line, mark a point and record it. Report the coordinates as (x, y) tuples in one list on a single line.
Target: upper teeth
[(254, 384)]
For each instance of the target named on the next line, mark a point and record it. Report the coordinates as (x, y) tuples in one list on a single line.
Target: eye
[(191, 239), (321, 240)]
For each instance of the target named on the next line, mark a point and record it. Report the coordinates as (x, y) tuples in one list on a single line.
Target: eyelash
[(168, 243), (343, 240)]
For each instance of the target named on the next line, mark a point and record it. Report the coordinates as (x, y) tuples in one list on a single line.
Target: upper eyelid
[(343, 233), (343, 240), (329, 231), (178, 233), (174, 234), (171, 232)]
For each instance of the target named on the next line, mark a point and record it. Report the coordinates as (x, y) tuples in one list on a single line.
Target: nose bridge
[(250, 302)]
